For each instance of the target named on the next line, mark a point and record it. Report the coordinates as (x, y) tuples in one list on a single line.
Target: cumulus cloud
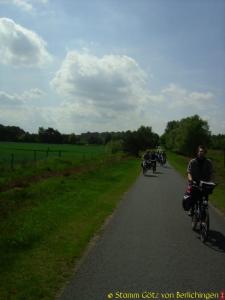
[(24, 110), (170, 103), (8, 100), (108, 84), (28, 118), (111, 93), (104, 93), (175, 96), (32, 94), (202, 97), (14, 100), (113, 84), (20, 46)]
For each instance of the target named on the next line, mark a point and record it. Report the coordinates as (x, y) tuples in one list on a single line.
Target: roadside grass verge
[(45, 227), (180, 163), (21, 176)]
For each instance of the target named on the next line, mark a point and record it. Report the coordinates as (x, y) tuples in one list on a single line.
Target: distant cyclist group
[(150, 158)]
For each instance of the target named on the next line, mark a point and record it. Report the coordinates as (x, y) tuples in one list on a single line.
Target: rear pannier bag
[(187, 201)]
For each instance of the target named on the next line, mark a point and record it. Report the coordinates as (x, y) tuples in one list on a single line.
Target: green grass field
[(28, 152), (46, 225), (47, 159), (217, 157)]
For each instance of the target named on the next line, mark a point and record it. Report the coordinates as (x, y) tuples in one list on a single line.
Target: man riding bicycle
[(199, 168), (149, 161), (147, 155)]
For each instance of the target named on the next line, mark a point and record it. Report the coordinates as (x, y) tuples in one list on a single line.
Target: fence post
[(60, 153), (47, 152), (12, 161)]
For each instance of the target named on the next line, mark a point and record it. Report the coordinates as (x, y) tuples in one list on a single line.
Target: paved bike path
[(148, 245)]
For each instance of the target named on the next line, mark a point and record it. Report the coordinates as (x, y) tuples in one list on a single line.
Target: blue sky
[(96, 65)]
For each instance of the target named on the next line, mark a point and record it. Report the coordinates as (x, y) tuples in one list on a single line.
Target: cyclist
[(147, 155), (153, 160), (153, 155), (146, 158), (199, 168)]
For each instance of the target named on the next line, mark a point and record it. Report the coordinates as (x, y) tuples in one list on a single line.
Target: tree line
[(185, 135), (52, 136), (128, 141), (181, 136)]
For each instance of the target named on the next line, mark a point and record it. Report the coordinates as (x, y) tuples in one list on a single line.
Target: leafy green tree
[(72, 139), (49, 136), (185, 135), (10, 133), (131, 143), (218, 141), (139, 140)]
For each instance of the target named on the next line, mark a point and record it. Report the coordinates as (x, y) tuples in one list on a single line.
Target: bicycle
[(200, 215)]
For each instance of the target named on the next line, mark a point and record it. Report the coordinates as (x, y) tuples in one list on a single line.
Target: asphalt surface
[(148, 245)]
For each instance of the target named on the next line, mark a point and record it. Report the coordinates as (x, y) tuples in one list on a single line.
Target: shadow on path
[(150, 175), (216, 241), (167, 167)]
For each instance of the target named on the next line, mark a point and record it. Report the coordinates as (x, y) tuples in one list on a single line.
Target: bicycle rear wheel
[(204, 232), (194, 221), (205, 228)]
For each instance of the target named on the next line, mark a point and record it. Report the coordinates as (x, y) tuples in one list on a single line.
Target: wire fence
[(224, 157), (33, 156), (12, 158)]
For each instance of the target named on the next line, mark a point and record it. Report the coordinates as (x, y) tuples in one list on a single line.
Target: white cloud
[(19, 109), (105, 94), (202, 97), (9, 100), (13, 100), (116, 84), (26, 5), (69, 118), (109, 84), (32, 94), (176, 97), (23, 4), (20, 46), (110, 93), (174, 90), (27, 118)]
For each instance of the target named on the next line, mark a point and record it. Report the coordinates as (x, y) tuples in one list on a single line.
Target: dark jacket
[(200, 169)]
